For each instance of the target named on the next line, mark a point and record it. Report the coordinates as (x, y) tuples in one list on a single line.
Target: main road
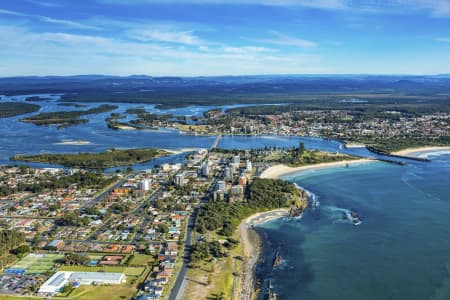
[(180, 284)]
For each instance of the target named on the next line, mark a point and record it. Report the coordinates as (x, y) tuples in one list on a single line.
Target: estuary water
[(401, 250), (17, 137)]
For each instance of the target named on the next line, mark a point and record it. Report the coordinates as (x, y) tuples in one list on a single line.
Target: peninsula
[(102, 160)]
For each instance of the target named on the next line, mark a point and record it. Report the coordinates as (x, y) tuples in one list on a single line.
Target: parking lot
[(19, 284)]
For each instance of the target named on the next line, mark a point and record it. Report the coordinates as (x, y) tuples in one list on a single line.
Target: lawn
[(7, 297), (112, 292), (38, 263), (141, 260)]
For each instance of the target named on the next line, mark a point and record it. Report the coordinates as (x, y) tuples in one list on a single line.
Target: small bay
[(400, 251)]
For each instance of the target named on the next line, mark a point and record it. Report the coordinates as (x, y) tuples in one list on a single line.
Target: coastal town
[(387, 130), (181, 230), (224, 150), (135, 234)]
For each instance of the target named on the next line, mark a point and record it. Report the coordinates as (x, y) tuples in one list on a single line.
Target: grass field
[(128, 271), (220, 273), (6, 297), (141, 260), (38, 263), (113, 292)]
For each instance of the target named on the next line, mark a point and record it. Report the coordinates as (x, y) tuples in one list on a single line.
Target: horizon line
[(230, 75)]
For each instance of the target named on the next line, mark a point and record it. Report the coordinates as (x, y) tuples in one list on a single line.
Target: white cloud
[(44, 3), (11, 13), (164, 35), (285, 40), (247, 49), (443, 39), (68, 23), (25, 52), (326, 4), (437, 8)]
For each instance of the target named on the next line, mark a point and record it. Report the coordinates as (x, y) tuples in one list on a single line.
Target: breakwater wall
[(371, 149)]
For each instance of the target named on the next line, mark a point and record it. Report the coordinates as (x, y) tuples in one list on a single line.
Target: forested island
[(102, 160), (11, 109), (67, 118), (142, 119)]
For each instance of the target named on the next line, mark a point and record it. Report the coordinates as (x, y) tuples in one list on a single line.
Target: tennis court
[(35, 263)]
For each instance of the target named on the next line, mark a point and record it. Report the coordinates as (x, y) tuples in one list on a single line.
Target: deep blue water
[(400, 251)]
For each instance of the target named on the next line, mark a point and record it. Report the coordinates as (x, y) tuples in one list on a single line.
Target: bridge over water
[(216, 142)]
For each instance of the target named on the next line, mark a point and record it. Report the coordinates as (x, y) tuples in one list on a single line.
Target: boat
[(353, 217)]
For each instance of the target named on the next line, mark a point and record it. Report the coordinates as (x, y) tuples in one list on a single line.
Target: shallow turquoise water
[(400, 251)]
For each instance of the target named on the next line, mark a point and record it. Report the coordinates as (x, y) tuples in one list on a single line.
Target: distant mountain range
[(202, 90)]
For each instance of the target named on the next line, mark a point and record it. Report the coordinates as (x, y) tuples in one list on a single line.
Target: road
[(102, 196), (180, 284), (177, 291), (141, 209)]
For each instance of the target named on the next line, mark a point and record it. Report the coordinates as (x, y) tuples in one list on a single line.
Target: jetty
[(372, 149)]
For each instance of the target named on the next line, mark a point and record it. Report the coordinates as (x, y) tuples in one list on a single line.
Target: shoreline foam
[(251, 248), (279, 170)]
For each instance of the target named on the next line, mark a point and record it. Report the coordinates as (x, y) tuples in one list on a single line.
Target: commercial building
[(249, 167), (236, 161), (206, 169), (229, 172), (179, 180), (60, 279), (145, 185), (221, 186)]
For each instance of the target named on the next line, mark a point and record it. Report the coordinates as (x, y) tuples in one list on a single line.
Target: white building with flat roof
[(146, 184), (60, 279)]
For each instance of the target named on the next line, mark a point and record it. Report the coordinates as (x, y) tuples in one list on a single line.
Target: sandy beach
[(419, 150), (251, 244), (125, 127), (75, 143), (183, 150), (353, 145), (279, 170)]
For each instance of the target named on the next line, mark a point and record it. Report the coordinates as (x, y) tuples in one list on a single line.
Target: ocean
[(401, 250)]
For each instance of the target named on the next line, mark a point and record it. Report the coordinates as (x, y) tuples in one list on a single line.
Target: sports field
[(38, 263)]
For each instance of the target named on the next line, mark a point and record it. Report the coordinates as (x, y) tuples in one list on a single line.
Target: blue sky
[(224, 37)]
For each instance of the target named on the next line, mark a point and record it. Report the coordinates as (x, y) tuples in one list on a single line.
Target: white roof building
[(60, 279)]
